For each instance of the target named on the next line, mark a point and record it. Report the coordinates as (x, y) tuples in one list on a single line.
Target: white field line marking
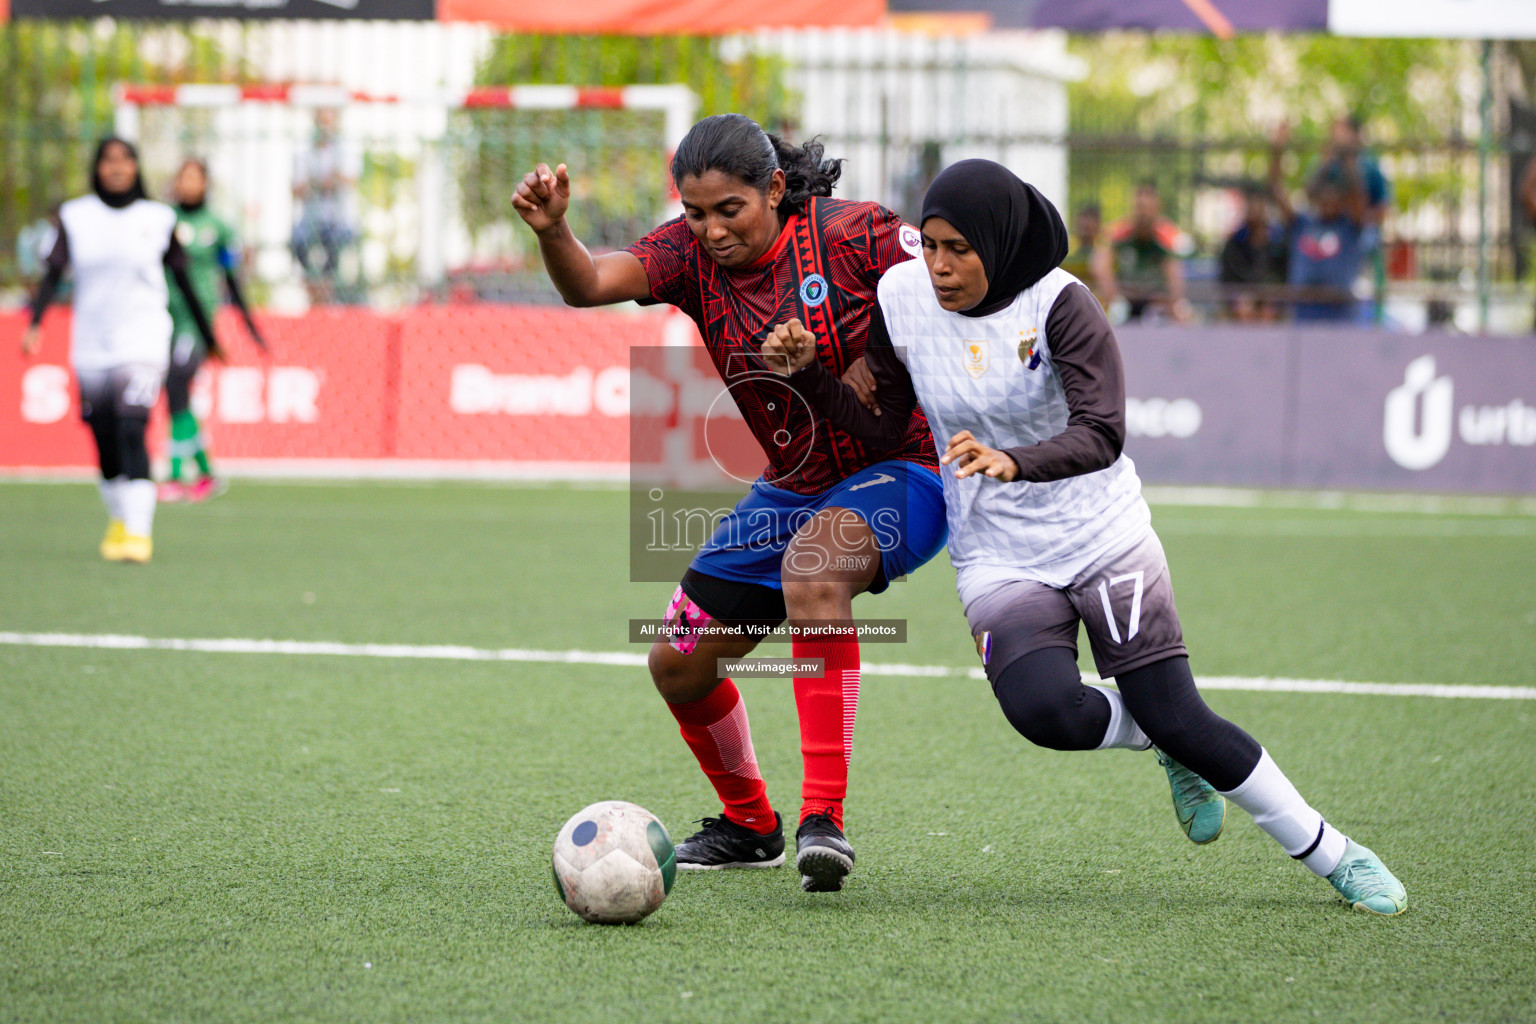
[(453, 652), (611, 476)]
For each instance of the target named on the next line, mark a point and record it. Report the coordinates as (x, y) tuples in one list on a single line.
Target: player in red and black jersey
[(761, 243)]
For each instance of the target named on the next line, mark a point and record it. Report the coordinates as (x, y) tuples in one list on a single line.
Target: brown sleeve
[(835, 400), (56, 264), (175, 260), (1086, 357)]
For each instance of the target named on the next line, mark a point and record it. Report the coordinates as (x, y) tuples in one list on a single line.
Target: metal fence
[(59, 98)]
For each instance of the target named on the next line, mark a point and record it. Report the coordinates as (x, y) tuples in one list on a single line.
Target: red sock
[(716, 729), (827, 707)]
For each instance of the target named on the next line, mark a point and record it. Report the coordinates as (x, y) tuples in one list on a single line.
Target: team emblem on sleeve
[(976, 358), (910, 239), (1027, 354), (984, 645), (813, 290)]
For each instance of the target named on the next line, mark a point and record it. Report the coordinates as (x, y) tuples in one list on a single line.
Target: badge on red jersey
[(813, 290)]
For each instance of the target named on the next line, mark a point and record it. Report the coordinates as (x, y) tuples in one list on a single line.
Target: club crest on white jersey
[(1027, 354), (975, 356)]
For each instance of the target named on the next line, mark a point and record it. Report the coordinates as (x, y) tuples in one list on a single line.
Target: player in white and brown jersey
[(1019, 373)]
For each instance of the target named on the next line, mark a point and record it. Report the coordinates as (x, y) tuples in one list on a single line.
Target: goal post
[(424, 149)]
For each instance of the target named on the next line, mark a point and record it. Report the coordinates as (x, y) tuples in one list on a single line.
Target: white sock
[(137, 498), (1278, 809), (1123, 731), (111, 496)]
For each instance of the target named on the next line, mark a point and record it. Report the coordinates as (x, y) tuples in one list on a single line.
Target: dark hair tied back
[(737, 145)]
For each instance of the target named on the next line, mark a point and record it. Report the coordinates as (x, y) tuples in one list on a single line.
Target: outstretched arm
[(1355, 198), (1528, 189), (1173, 280), (237, 299), (1101, 266), (1278, 142), (175, 260), (47, 288), (541, 199), (791, 350)]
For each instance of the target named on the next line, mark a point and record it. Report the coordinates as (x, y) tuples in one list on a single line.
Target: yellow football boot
[(135, 548), (111, 544)]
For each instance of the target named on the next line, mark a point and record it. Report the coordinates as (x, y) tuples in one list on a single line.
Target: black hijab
[(1014, 229), (117, 200)]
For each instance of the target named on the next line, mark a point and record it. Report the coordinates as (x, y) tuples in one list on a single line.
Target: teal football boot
[(1366, 884), (1200, 809)]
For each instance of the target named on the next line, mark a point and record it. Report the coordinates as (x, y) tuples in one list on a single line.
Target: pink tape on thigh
[(689, 620)]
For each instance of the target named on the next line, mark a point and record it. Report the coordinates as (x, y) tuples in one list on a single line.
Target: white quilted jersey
[(116, 257), (975, 374)]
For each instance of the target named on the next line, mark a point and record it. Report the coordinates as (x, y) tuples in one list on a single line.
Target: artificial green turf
[(210, 837)]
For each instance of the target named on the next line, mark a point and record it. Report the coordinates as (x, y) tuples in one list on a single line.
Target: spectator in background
[(1079, 263), (1528, 190), (1346, 149), (926, 167), (1143, 264), (1254, 260), (323, 178), (1327, 238)]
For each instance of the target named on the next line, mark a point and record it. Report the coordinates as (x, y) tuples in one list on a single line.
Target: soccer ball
[(614, 862)]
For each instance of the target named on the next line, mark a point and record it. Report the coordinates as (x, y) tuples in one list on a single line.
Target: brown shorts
[(126, 391), (1124, 599)]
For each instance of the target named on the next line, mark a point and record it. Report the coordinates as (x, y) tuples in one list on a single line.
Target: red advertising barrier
[(525, 387), (517, 384), (40, 409)]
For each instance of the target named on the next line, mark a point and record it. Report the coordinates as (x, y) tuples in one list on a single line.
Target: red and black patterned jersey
[(823, 268)]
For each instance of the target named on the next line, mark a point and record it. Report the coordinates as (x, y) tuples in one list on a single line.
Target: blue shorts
[(903, 504)]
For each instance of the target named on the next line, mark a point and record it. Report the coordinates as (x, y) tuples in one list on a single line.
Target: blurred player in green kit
[(211, 257)]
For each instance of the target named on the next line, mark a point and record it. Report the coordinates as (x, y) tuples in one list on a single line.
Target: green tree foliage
[(617, 158), (1186, 109), (56, 102)]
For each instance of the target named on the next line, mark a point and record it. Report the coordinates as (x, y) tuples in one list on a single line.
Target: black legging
[(178, 381), (120, 445), (1043, 697)]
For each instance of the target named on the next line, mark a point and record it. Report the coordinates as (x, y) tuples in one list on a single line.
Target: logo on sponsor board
[(1420, 419), (1416, 428)]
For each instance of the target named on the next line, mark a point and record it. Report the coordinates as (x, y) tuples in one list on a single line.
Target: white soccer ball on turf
[(614, 862)]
